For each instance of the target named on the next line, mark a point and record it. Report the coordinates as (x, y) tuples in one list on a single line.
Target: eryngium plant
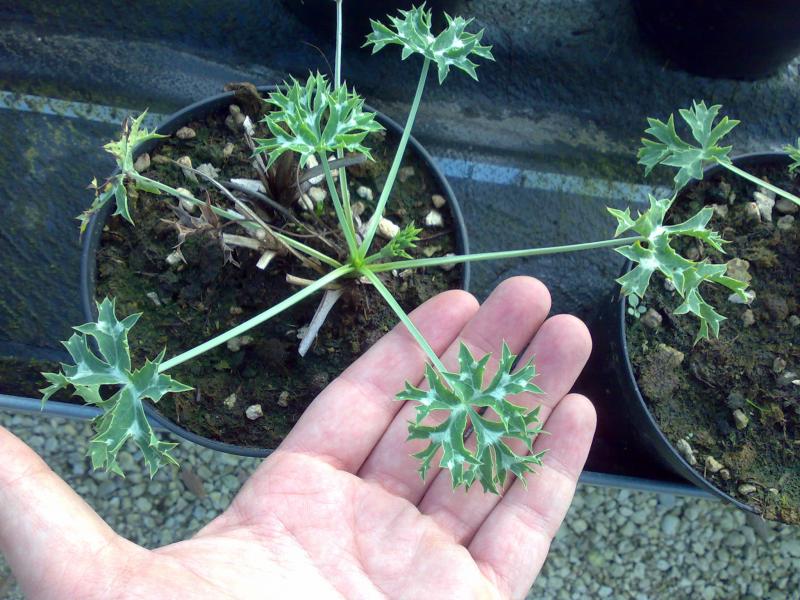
[(319, 118)]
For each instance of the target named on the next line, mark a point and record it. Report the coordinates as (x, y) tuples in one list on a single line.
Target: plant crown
[(314, 118)]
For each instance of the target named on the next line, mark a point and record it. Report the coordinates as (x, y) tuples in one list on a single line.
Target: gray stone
[(735, 540), (786, 223), (791, 547), (669, 525), (579, 526), (143, 504)]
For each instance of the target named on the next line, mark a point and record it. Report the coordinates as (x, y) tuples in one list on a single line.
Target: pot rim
[(91, 242), (753, 158)]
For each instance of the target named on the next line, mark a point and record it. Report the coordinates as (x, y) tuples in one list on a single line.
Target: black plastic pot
[(640, 419), (320, 15), (739, 39), (94, 231)]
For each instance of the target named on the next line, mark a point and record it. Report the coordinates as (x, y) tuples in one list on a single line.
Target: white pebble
[(364, 193), (765, 205), (387, 229), (317, 194), (434, 219), (253, 412), (185, 133)]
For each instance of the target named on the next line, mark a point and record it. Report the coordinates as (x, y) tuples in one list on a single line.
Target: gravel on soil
[(613, 544)]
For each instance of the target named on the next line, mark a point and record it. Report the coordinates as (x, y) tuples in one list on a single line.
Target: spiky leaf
[(123, 415), (123, 151), (133, 136), (667, 148), (656, 253), (794, 154), (460, 396), (399, 245), (453, 47), (312, 118)]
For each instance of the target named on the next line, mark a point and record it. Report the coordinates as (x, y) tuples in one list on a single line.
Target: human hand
[(338, 510)]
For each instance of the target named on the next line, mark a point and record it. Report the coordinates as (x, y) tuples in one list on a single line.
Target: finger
[(512, 543), (512, 313), (347, 419), (50, 537), (560, 349)]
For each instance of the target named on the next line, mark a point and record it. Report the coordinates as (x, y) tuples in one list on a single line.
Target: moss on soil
[(205, 297), (696, 400)]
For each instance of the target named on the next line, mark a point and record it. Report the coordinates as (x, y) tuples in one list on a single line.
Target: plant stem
[(338, 60), (760, 182), (450, 260), (348, 211), (347, 227), (313, 252), (406, 320), (398, 159), (257, 320), (227, 214)]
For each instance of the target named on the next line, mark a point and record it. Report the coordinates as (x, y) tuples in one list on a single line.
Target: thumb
[(52, 539)]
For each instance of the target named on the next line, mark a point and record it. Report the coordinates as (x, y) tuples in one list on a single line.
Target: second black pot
[(740, 39), (613, 341), (94, 231)]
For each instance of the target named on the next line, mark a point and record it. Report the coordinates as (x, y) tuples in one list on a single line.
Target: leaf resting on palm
[(667, 147), (123, 415), (460, 396), (657, 254)]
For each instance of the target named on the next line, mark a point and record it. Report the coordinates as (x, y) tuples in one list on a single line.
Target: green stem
[(227, 214), (760, 182), (347, 226), (308, 250), (398, 159), (348, 210), (257, 320), (451, 260), (406, 320), (338, 60)]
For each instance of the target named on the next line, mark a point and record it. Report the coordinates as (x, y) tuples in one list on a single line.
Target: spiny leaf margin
[(657, 254), (123, 415), (313, 118), (451, 48), (460, 394), (667, 148), (123, 150), (794, 154)]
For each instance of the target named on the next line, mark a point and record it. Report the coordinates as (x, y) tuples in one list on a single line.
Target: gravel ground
[(614, 544)]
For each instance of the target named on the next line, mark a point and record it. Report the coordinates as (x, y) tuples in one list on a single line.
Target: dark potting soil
[(205, 297), (693, 390)]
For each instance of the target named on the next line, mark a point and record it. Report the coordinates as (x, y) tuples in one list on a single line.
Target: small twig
[(241, 241), (303, 282), (282, 210), (338, 163), (328, 301), (248, 212), (263, 198), (258, 162)]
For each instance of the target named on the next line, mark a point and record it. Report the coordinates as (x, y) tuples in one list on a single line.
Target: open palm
[(339, 510)]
